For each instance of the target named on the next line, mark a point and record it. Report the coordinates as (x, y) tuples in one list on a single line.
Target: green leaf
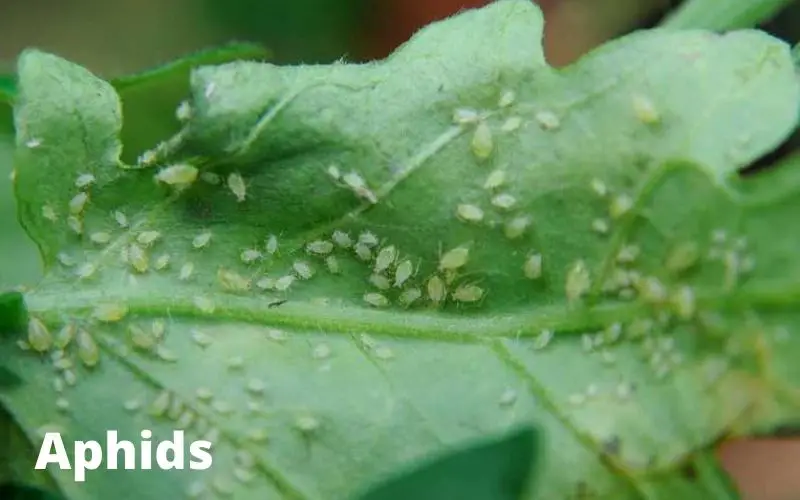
[(493, 470), (723, 14), (323, 393)]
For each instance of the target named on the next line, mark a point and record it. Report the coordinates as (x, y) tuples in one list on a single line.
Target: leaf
[(723, 14), (325, 393), (493, 470)]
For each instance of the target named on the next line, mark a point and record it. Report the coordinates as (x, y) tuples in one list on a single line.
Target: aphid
[(511, 124), (75, 224), (683, 302), (256, 386), (404, 271), (342, 239), (645, 110), (719, 236), (237, 186), (132, 405), (100, 237), (543, 339), (465, 116), (548, 120), (265, 283), (578, 281), (39, 336), (272, 244), (380, 281), (599, 187), (84, 180), (363, 252), (319, 247), (209, 90), (138, 258), (70, 378), (516, 227), (376, 299), (504, 201), (507, 98), (467, 293), (204, 304), (200, 338), (409, 296), (202, 240), (88, 351), (682, 257), (86, 270), (437, 290), (64, 336), (284, 282), (147, 238), (628, 254), (185, 420), (277, 335), (303, 270), (62, 363), (508, 397), (210, 178), (140, 338), (307, 424), (321, 351), (611, 334), (65, 259), (333, 264), (184, 111), (33, 143), (158, 328), (49, 213), (120, 218), (576, 399), (62, 404), (454, 259), (164, 354), (385, 258), (186, 271), (384, 353), (651, 290), (624, 390), (204, 394), (110, 312), (232, 281), (179, 175), (368, 238), (250, 255), (482, 143), (160, 404), (78, 203), (587, 342), (357, 184), (334, 173), (640, 328), (620, 205), (600, 226), (495, 179), (161, 262), (469, 213), (235, 362), (532, 268)]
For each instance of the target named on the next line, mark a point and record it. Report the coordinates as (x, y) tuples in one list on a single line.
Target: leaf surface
[(681, 326)]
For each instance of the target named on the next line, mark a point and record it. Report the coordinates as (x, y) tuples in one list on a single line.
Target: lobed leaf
[(663, 318)]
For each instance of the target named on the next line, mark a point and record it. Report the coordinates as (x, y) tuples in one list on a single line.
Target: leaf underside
[(679, 328)]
